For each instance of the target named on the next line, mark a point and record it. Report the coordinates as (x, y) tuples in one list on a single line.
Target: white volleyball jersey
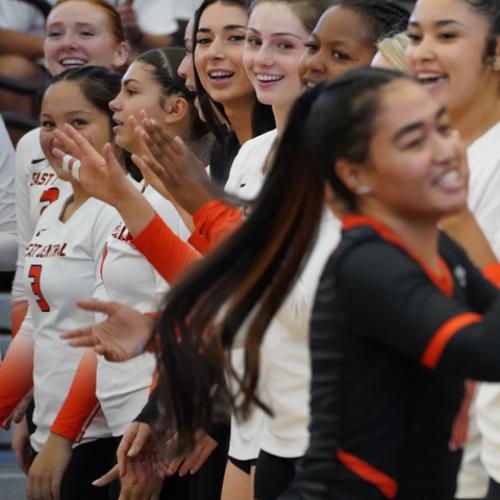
[(61, 264), (127, 277), (37, 186), (285, 359)]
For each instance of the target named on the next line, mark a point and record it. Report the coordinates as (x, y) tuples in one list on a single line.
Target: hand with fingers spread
[(122, 336), (101, 176), (46, 473), (169, 163)]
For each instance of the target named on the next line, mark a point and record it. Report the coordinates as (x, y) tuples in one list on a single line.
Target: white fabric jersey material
[(247, 167), (285, 362), (8, 241), (484, 202), (127, 277), (60, 268), (37, 186)]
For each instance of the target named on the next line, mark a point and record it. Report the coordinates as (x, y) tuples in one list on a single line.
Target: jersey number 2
[(35, 273)]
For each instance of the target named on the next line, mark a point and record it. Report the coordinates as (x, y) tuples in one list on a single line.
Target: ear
[(175, 108), (353, 176), (121, 55)]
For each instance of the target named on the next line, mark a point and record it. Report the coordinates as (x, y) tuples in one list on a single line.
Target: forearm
[(81, 401), (16, 374), (17, 43)]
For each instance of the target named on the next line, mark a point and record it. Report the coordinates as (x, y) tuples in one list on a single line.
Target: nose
[(421, 51), (183, 66), (445, 147), (263, 56), (115, 104), (313, 64), (68, 40), (216, 49)]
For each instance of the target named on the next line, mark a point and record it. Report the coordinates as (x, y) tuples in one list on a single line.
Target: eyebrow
[(438, 24), (229, 27), (130, 80), (284, 33), (416, 126)]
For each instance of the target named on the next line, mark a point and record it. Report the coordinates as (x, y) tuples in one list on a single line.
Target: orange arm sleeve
[(169, 255), (492, 272), (213, 222), (18, 312), (81, 403), (16, 374)]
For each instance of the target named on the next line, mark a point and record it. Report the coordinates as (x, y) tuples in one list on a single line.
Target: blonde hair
[(393, 49)]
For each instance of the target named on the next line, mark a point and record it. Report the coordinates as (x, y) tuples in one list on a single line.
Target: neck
[(79, 195), (420, 235), (240, 115), (281, 116), (473, 121)]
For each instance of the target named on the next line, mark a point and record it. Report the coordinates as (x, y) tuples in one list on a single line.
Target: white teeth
[(269, 78), (430, 77), (72, 62), (220, 74), (449, 179)]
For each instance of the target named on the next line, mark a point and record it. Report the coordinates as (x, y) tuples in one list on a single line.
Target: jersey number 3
[(35, 273)]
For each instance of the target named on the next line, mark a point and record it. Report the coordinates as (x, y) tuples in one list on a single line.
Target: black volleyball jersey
[(392, 342)]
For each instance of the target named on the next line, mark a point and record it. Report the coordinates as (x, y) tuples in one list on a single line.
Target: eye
[(414, 37), (447, 36), (87, 33), (47, 124), (130, 92), (78, 123), (286, 45), (236, 38), (341, 56), (445, 128), (253, 41), (311, 47), (203, 40), (415, 143), (53, 34)]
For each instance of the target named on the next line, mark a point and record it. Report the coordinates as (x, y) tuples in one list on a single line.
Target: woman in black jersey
[(401, 315)]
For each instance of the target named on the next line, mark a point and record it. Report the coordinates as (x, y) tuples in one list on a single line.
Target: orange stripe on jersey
[(81, 401), (443, 280), (386, 484), (444, 334), (492, 272)]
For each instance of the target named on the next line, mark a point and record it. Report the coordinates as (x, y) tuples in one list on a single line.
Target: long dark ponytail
[(243, 283)]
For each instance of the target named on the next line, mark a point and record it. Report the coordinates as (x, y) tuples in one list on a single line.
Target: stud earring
[(364, 190)]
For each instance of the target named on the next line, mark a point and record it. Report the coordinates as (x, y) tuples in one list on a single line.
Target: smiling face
[(139, 90), (340, 41), (447, 53), (186, 70), (64, 102), (274, 46), (219, 51), (79, 34), (416, 165)]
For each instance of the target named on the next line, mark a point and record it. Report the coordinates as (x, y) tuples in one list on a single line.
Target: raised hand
[(101, 176), (170, 166), (123, 335)]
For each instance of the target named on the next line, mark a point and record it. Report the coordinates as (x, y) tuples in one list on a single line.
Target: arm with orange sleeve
[(81, 402), (169, 255), (16, 370)]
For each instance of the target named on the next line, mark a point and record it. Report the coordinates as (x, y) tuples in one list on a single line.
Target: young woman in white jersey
[(61, 264), (78, 33), (455, 52)]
